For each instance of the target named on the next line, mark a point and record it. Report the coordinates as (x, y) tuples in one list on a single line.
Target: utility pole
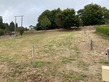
[(21, 21), (15, 24), (16, 21)]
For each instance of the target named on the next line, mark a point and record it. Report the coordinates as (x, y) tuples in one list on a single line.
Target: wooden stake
[(108, 53), (91, 44), (33, 54)]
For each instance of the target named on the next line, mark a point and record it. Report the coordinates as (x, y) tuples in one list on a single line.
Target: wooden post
[(91, 44), (108, 53), (33, 54), (84, 32)]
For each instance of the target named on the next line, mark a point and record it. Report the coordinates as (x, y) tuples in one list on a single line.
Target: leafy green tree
[(55, 12), (12, 26), (45, 22), (1, 32), (46, 15), (37, 27), (59, 21), (105, 15), (1, 20), (93, 14), (1, 23), (7, 28), (68, 18), (51, 15), (78, 21)]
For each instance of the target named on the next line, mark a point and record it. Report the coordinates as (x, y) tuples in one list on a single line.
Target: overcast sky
[(31, 9)]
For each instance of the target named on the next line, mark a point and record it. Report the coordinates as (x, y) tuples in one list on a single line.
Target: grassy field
[(59, 56)]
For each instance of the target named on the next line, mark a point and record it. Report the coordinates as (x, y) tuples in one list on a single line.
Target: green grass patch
[(83, 65), (105, 62), (103, 29), (39, 64), (66, 60), (71, 76)]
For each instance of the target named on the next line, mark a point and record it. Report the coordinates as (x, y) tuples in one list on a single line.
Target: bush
[(103, 29), (1, 32), (21, 30)]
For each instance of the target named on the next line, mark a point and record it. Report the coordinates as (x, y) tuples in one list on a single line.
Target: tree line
[(6, 28), (91, 14)]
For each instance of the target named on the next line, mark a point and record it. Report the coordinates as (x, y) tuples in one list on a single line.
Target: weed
[(73, 76), (39, 64), (105, 62), (83, 65), (66, 60)]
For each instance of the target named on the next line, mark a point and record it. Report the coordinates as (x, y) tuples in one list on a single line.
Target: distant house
[(31, 27)]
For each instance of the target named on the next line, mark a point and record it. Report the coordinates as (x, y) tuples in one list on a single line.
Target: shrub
[(103, 29), (21, 30), (1, 32)]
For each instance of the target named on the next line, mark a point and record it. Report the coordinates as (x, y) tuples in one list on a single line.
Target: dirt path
[(93, 57)]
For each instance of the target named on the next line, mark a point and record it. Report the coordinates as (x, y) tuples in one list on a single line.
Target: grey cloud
[(31, 9)]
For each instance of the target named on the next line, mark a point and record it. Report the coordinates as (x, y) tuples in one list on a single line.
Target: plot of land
[(59, 56)]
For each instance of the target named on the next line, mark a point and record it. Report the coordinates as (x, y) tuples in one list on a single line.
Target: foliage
[(7, 29), (21, 30), (68, 18), (103, 29), (37, 27), (58, 19), (1, 32), (53, 20), (50, 17), (45, 22), (66, 60), (105, 62), (12, 26), (40, 64), (1, 23), (93, 14), (1, 20)]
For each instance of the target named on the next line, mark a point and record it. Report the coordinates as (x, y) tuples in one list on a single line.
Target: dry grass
[(59, 57)]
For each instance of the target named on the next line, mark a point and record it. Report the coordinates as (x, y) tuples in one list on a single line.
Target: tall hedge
[(103, 29)]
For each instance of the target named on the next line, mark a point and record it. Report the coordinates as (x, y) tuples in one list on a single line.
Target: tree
[(12, 26), (45, 22), (1, 23), (93, 14), (55, 12), (21, 30), (59, 21), (1, 32), (7, 28), (105, 15), (1, 20), (37, 27), (68, 18), (48, 15)]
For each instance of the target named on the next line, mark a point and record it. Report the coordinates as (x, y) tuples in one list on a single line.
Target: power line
[(21, 16)]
